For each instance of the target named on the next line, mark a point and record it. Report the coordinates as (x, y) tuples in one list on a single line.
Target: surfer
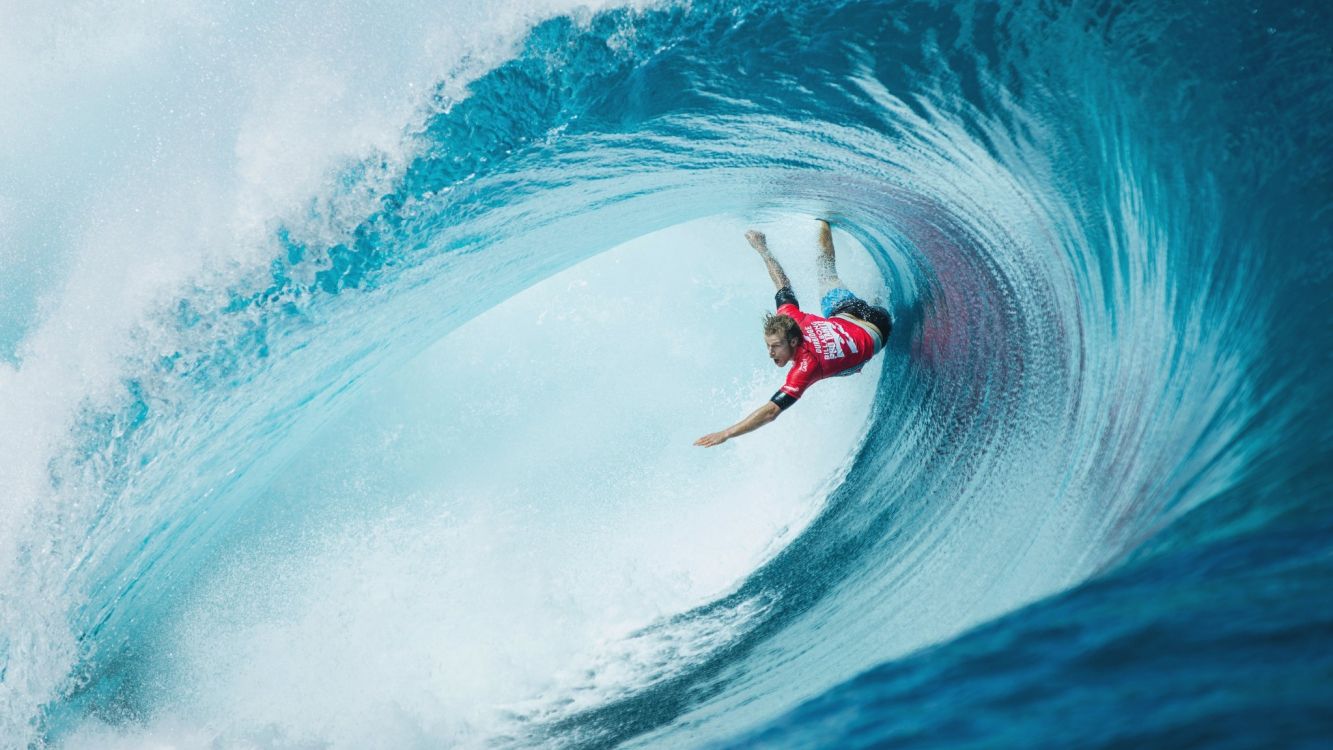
[(850, 332)]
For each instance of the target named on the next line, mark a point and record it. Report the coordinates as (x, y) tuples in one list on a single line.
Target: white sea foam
[(150, 148)]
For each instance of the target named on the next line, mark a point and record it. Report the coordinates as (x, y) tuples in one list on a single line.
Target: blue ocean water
[(262, 490)]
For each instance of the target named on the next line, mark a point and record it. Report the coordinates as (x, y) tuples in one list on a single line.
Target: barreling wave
[(1082, 226)]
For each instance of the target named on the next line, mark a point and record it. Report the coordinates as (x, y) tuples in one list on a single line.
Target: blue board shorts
[(836, 297), (841, 300)]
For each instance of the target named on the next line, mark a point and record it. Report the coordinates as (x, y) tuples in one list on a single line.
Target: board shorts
[(841, 301)]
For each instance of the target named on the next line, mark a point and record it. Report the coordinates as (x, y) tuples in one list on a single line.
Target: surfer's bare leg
[(828, 273), (775, 272)]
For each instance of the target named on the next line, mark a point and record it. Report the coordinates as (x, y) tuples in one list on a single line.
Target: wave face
[(1090, 503)]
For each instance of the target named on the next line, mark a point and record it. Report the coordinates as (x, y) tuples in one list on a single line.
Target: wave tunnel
[(350, 362)]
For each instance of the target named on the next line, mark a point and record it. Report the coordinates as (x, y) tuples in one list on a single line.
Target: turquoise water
[(351, 363)]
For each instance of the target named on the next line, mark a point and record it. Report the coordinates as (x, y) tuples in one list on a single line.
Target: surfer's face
[(780, 350)]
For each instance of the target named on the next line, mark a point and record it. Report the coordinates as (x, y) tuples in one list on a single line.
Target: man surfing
[(839, 343)]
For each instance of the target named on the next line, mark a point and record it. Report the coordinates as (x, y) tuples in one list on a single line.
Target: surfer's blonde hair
[(782, 325)]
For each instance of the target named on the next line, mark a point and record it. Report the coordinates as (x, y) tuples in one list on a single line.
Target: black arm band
[(785, 296), (783, 400)]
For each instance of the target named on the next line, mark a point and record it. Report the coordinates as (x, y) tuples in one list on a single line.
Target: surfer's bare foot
[(757, 241)]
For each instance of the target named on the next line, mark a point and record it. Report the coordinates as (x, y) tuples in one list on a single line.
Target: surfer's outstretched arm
[(775, 272), (760, 417)]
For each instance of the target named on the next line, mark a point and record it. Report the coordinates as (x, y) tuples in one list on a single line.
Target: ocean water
[(350, 361)]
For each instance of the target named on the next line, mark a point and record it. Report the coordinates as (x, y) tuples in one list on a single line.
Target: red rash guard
[(829, 347)]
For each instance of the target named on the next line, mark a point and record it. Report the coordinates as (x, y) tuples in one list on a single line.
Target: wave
[(1083, 220)]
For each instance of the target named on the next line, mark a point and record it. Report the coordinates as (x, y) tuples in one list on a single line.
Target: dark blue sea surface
[(1092, 504)]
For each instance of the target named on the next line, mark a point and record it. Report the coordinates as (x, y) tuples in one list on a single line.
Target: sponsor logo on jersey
[(829, 340)]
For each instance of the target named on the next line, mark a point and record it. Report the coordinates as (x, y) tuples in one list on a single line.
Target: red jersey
[(829, 347)]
